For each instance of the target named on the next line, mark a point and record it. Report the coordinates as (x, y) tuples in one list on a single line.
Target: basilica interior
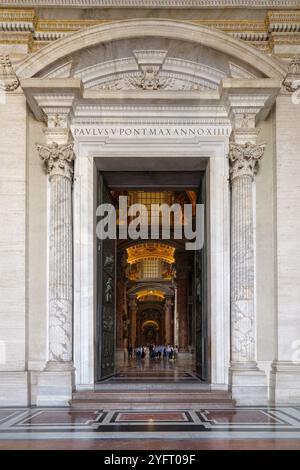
[(152, 274), (155, 285)]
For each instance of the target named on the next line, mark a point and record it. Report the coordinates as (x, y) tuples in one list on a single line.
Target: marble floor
[(169, 425), (242, 427), (153, 371)]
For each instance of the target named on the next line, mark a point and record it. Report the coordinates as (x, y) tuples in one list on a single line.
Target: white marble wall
[(286, 372), (37, 250), (84, 271), (13, 385), (265, 246)]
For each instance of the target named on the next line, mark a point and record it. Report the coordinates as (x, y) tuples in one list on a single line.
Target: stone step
[(92, 405), (153, 386), (112, 399), (151, 396)]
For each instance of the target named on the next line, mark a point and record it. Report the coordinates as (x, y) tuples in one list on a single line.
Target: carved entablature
[(244, 159), (199, 4), (58, 159), (8, 80)]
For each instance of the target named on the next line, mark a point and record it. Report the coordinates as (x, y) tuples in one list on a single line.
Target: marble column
[(133, 315), (58, 161), (248, 383), (168, 320)]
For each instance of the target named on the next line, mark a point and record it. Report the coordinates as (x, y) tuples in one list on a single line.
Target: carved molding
[(236, 71), (278, 27), (8, 80), (244, 159), (131, 73), (150, 70), (156, 3), (292, 79), (58, 159), (283, 21), (57, 120)]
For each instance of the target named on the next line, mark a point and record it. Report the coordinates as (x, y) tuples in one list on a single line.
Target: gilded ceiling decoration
[(150, 323), (143, 251), (150, 294)]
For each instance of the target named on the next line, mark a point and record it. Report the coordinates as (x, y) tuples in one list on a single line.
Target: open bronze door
[(106, 297), (201, 312)]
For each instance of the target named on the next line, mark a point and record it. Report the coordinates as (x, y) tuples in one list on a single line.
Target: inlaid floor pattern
[(258, 423)]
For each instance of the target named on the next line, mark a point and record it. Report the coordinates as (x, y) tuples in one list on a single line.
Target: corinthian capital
[(244, 159), (58, 159)]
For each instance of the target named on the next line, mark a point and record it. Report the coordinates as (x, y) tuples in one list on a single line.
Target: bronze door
[(106, 297)]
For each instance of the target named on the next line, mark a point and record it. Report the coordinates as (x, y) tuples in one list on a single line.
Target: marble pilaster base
[(249, 386), (285, 383), (14, 388), (55, 386)]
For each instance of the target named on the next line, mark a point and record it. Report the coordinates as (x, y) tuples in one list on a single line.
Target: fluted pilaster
[(243, 160), (58, 160)]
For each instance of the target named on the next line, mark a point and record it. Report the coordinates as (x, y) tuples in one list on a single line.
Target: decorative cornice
[(156, 3), (244, 159), (58, 159), (283, 21), (17, 20), (277, 28)]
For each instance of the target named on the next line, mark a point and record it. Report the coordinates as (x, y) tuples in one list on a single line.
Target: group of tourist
[(153, 352)]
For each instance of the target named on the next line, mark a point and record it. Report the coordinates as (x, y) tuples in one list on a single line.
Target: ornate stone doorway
[(105, 110)]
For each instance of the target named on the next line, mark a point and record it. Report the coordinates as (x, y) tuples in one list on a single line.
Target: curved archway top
[(150, 323), (170, 29), (168, 291)]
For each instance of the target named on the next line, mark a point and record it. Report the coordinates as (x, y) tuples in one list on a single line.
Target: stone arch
[(168, 291), (150, 322), (171, 29)]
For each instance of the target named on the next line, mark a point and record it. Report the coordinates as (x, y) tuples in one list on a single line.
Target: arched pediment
[(147, 70), (107, 33)]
